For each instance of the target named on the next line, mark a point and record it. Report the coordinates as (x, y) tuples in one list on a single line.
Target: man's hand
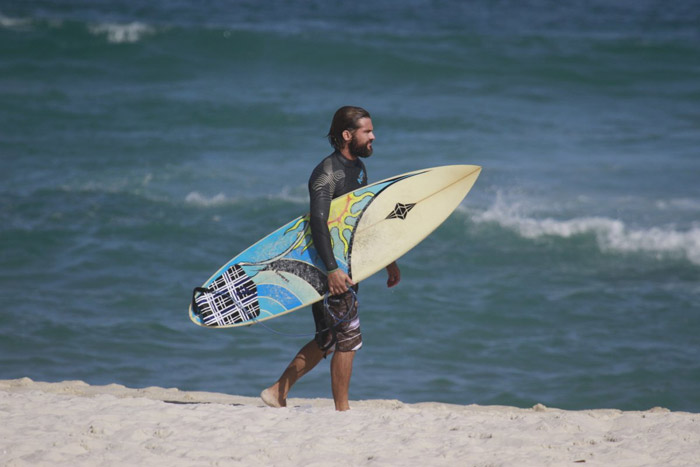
[(338, 282), (394, 274)]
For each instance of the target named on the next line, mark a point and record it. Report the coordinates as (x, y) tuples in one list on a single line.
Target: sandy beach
[(73, 423)]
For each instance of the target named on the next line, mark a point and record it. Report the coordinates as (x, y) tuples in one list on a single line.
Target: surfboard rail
[(370, 228)]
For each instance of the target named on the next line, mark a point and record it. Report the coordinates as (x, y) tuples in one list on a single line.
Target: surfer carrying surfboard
[(337, 322)]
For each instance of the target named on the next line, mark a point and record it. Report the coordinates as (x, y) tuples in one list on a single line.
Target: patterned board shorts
[(342, 332)]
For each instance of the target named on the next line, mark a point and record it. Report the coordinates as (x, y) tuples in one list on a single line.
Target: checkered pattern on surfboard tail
[(232, 298)]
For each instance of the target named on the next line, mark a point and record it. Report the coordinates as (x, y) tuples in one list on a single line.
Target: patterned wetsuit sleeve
[(321, 188)]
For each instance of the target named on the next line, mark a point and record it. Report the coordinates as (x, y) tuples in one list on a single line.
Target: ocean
[(144, 143)]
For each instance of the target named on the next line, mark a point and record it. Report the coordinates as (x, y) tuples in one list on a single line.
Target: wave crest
[(14, 23), (610, 234), (122, 33), (293, 195), (200, 200)]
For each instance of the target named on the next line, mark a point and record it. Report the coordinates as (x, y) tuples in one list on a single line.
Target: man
[(351, 135)]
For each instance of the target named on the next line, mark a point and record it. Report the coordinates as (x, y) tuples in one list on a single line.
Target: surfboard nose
[(462, 170), (444, 177), (405, 212)]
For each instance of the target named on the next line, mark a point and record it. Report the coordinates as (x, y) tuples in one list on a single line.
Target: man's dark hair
[(345, 118)]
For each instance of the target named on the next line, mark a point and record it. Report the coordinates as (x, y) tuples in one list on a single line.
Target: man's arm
[(321, 187)]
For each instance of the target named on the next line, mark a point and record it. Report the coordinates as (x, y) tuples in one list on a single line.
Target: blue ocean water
[(144, 143)]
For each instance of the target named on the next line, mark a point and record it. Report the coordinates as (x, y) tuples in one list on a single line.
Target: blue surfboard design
[(282, 272)]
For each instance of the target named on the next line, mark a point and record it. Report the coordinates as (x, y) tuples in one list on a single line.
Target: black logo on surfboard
[(400, 211)]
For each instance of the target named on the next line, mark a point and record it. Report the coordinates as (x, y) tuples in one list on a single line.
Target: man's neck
[(345, 152)]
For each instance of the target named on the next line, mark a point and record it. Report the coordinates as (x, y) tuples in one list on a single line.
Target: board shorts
[(341, 334)]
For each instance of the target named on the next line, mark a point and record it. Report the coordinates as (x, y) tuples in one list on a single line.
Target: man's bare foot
[(271, 398)]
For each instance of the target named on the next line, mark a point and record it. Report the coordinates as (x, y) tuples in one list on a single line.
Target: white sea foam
[(288, 195), (683, 204), (201, 200), (7, 22), (122, 33), (610, 234), (296, 195)]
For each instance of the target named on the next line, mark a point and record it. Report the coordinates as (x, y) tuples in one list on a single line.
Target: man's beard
[(357, 150)]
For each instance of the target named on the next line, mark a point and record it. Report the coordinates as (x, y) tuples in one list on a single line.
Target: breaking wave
[(611, 234), (10, 23), (199, 199), (293, 195), (122, 33)]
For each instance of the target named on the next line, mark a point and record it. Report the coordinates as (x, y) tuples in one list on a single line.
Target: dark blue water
[(143, 144)]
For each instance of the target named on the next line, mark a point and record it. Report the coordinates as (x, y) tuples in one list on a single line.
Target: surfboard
[(370, 228)]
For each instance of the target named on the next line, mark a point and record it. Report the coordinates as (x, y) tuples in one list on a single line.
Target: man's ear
[(347, 136)]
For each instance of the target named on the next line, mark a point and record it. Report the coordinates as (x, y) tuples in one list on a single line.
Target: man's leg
[(307, 358), (341, 371)]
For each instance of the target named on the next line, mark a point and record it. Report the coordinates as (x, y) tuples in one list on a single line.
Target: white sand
[(72, 423)]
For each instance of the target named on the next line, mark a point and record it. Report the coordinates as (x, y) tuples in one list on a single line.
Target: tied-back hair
[(345, 118)]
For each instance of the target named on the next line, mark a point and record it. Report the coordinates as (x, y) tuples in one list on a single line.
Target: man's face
[(361, 143)]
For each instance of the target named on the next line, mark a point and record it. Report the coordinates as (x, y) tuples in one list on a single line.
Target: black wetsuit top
[(333, 177)]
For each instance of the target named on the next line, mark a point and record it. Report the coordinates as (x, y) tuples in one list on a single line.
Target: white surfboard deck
[(422, 203)]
